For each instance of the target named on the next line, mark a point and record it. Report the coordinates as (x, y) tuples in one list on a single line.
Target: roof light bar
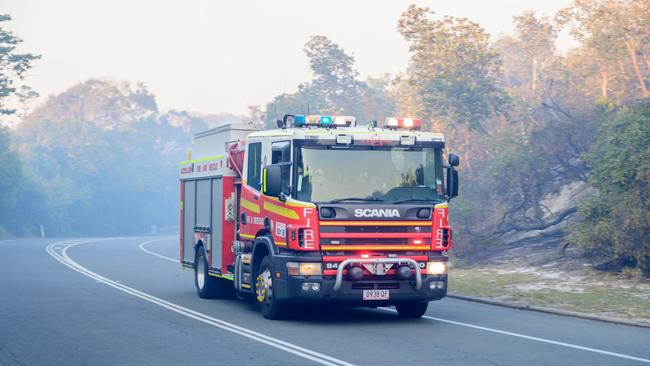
[(300, 120)]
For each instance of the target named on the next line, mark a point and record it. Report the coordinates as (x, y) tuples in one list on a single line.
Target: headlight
[(436, 268), (304, 269)]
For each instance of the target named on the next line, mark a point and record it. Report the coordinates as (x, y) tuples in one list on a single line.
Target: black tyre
[(412, 310), (208, 287), (269, 306)]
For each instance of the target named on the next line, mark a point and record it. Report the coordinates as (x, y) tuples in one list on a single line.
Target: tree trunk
[(603, 78), (631, 47)]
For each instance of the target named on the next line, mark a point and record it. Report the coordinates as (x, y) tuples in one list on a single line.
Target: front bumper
[(289, 288)]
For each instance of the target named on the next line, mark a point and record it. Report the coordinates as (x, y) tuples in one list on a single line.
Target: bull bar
[(398, 261)]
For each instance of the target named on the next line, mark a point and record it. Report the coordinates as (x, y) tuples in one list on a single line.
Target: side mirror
[(452, 182), (275, 181), (454, 160), (272, 180)]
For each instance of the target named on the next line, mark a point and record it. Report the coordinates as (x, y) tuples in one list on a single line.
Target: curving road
[(125, 301)]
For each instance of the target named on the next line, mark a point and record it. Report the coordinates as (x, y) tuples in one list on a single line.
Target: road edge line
[(542, 309), (142, 248)]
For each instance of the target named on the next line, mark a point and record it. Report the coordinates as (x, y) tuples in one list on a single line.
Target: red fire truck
[(319, 210)]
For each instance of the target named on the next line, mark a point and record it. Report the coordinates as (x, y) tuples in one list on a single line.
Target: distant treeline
[(551, 144), (98, 159)]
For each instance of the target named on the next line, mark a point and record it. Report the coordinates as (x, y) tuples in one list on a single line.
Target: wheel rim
[(200, 274), (264, 288)]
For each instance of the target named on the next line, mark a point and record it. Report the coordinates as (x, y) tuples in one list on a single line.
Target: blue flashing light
[(326, 120), (299, 119)]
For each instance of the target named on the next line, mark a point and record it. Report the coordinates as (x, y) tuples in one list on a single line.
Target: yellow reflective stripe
[(281, 243), (202, 159), (282, 211), (292, 203), (245, 285), (250, 205), (247, 236), (442, 205), (221, 276), (264, 181)]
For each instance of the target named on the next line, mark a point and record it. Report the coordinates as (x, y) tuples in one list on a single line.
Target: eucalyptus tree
[(13, 67), (452, 67)]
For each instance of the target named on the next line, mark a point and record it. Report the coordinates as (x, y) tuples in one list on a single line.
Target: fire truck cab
[(319, 211)]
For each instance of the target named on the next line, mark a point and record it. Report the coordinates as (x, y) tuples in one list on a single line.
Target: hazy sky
[(220, 56)]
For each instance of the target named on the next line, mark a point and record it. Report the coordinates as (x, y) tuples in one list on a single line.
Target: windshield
[(324, 174)]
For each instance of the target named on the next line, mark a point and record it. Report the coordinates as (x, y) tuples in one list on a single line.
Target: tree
[(106, 158), (13, 66), (612, 29), (452, 68), (21, 199), (616, 222), (536, 38), (11, 173), (335, 79), (334, 89)]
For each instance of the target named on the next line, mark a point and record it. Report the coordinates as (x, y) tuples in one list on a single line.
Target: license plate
[(376, 294)]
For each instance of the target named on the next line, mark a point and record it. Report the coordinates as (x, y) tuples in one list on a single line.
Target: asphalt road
[(124, 301)]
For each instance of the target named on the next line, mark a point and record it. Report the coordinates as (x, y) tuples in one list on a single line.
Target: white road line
[(543, 340), (7, 241), (230, 327), (141, 246)]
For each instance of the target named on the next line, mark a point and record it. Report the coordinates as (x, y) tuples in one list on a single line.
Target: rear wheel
[(412, 309), (208, 287), (269, 305)]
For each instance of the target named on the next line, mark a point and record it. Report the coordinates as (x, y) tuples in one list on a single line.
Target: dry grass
[(585, 291)]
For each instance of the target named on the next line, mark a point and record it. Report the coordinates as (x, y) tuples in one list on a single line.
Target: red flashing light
[(406, 123)]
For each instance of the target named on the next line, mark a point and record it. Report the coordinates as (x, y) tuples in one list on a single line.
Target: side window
[(281, 152), (254, 177)]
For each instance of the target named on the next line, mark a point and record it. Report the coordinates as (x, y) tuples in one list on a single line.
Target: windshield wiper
[(355, 199), (414, 200)]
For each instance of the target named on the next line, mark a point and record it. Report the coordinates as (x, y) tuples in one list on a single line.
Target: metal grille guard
[(345, 263)]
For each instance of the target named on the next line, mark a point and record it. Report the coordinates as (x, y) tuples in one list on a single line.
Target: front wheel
[(269, 305), (412, 310)]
